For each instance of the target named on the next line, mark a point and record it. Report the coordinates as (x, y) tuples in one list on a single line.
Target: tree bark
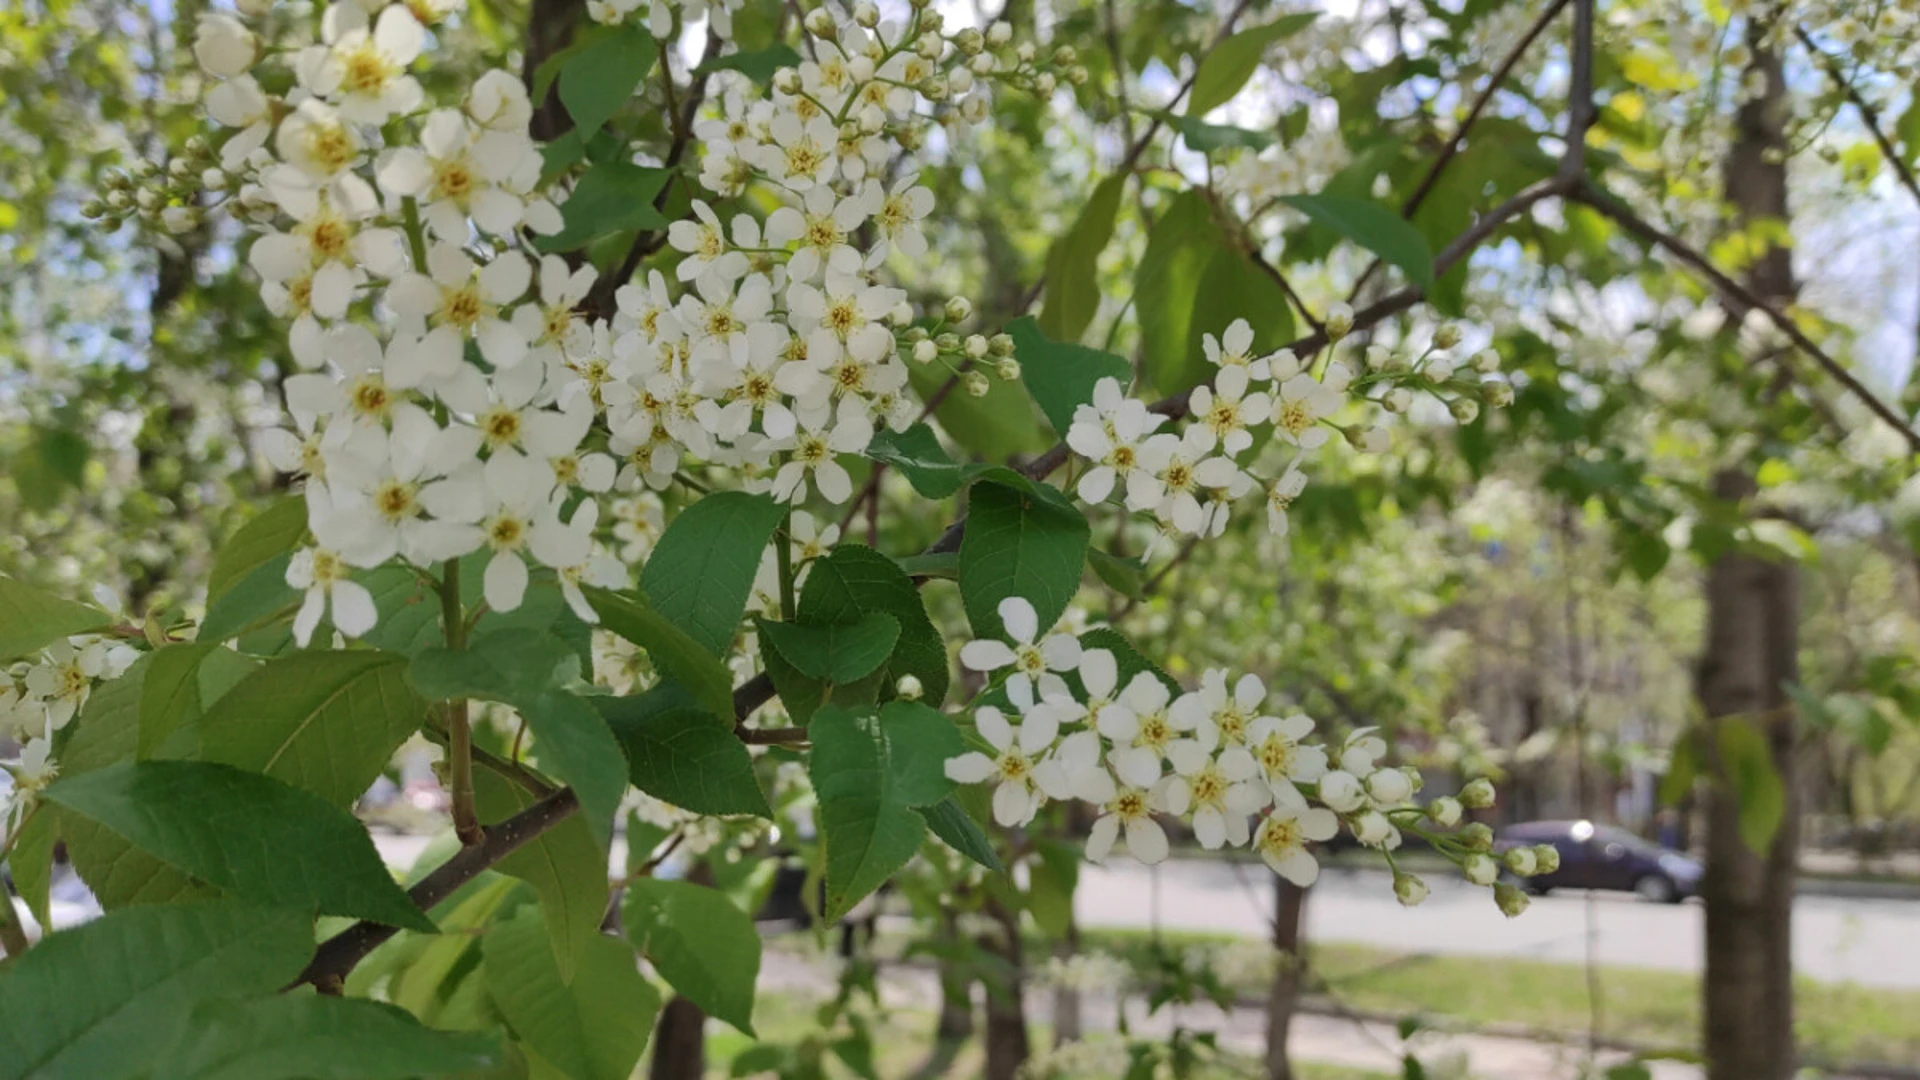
[(1289, 974), (1008, 1045), (679, 1042), (1751, 645)]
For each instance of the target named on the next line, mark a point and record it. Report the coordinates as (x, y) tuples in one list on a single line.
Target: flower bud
[(1439, 367), (1008, 367), (960, 80), (1486, 361), (975, 346), (1520, 860), (224, 46), (1476, 836), (213, 180), (819, 22), (1444, 811), (958, 308), (93, 208), (1498, 392), (1284, 365), (908, 688), (984, 64), (1546, 858), (1478, 794), (948, 342), (934, 88), (866, 14), (973, 110), (1372, 828), (1339, 322), (787, 80), (969, 41), (1511, 900), (1024, 52), (1001, 345), (1341, 791), (999, 33), (179, 168), (118, 200), (196, 147), (931, 23), (977, 384), (1480, 868), (1408, 888), (902, 313), (179, 219), (1368, 439), (1078, 75), (924, 352), (1466, 410), (1389, 787), (1446, 336), (1397, 400), (1044, 83), (1064, 56)]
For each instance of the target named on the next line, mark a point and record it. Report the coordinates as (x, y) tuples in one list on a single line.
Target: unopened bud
[(924, 352), (1498, 392), (975, 346), (1368, 439), (1478, 794), (1464, 409), (902, 313), (984, 64), (1408, 888), (1044, 83), (948, 342), (1480, 868), (1024, 52), (1520, 860), (908, 688), (1439, 367), (1511, 900), (1341, 791), (977, 384), (1397, 400), (213, 180), (196, 146), (1008, 367), (1339, 322), (1001, 345), (1372, 828), (1064, 56), (820, 24), (1444, 811), (1446, 336), (92, 208), (1078, 75), (1546, 858), (958, 308), (999, 33), (1476, 836), (866, 14), (787, 80), (1486, 361), (1389, 786), (970, 41), (960, 80)]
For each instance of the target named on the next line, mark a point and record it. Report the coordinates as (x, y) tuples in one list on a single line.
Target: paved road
[(1870, 942)]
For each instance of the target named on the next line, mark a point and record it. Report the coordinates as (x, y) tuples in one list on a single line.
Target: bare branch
[(1868, 115)]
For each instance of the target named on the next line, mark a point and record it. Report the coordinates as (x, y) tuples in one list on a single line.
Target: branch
[(1612, 207), (780, 736), (338, 954), (1580, 110), (1868, 115)]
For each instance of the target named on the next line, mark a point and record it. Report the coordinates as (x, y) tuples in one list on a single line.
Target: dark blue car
[(1606, 857)]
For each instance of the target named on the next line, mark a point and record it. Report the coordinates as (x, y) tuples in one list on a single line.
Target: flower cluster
[(1214, 758), (42, 695), (1190, 479)]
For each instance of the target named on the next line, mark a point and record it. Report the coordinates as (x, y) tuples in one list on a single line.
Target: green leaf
[(836, 653), (317, 1038), (920, 741), (1232, 287), (993, 427), (592, 1028), (597, 81), (939, 564), (1747, 763), (701, 943), (957, 828), (672, 651), (326, 722), (1228, 67), (852, 580), (93, 1001), (248, 835), (273, 532), (1127, 660), (51, 463), (1373, 227), (1031, 544), (917, 453), (757, 64), (251, 601), (30, 864), (866, 828), (701, 572), (676, 753), (565, 866), (1647, 553), (1121, 575), (182, 680), (30, 620), (1182, 245), (611, 197), (1061, 376), (1073, 285), (1209, 138)]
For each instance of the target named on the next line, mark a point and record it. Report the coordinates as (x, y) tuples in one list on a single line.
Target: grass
[(1837, 1023)]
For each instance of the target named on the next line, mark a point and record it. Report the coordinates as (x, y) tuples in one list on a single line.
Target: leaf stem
[(466, 824)]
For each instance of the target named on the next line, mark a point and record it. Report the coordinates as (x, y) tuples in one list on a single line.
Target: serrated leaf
[(835, 653), (273, 532), (675, 753), (610, 197), (92, 1001), (1030, 543), (1123, 576), (1166, 285), (30, 864), (701, 571), (756, 64), (851, 580), (700, 942), (1208, 138), (596, 81), (954, 826), (1373, 227), (593, 1028), (866, 825), (1061, 376), (565, 866), (248, 835), (30, 620), (252, 601), (317, 1038), (326, 722), (1231, 63), (920, 742), (1072, 283), (682, 659), (917, 453)]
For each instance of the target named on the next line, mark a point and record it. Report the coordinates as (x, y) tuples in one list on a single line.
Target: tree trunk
[(1752, 632), (679, 1042), (1066, 996), (1289, 974), (1008, 1046)]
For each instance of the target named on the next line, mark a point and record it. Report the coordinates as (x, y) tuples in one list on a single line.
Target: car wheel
[(1657, 888)]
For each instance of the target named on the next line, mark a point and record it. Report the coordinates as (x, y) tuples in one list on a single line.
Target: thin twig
[(1612, 207), (779, 736), (1868, 115)]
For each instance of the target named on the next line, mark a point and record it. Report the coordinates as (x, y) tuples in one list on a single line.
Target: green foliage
[(1073, 286), (756, 64), (602, 72), (677, 753), (835, 652), (846, 586), (1746, 764), (565, 866), (1020, 541), (248, 835), (917, 453), (673, 652), (32, 619), (1194, 280), (1228, 67), (182, 680), (611, 197), (1373, 227), (700, 942), (868, 771), (593, 1027), (317, 1038), (94, 1001), (1061, 376), (700, 574), (957, 829), (274, 531)]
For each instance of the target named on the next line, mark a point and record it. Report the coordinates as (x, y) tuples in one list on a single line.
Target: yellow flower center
[(396, 500), (367, 71), (462, 307), (500, 426)]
